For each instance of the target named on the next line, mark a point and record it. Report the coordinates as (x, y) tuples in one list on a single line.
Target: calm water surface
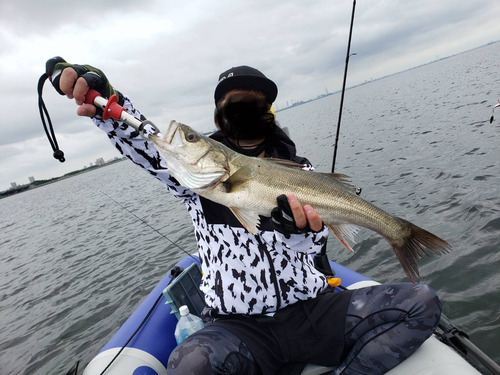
[(74, 264)]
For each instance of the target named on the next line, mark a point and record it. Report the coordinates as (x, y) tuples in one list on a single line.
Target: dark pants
[(383, 326)]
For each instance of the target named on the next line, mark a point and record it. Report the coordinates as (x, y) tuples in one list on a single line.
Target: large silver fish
[(249, 187)]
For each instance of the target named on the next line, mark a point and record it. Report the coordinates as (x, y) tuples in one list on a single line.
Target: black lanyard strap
[(49, 130)]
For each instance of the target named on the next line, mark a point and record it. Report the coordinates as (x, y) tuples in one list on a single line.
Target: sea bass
[(249, 186)]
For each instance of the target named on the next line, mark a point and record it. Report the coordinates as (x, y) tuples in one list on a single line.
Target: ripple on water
[(483, 178), (492, 226)]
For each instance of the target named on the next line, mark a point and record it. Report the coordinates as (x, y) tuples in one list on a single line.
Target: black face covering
[(256, 151), (245, 117)]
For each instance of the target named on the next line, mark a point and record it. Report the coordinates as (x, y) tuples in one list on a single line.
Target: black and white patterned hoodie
[(242, 273)]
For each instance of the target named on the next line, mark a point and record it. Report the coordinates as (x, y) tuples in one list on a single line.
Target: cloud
[(30, 17), (167, 56)]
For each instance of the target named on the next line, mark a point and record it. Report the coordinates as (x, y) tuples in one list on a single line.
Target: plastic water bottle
[(187, 324)]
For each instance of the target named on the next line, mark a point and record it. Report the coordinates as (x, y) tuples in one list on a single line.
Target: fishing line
[(176, 271), (137, 330), (144, 222), (161, 294)]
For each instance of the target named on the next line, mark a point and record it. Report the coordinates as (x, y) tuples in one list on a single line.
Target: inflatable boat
[(144, 342)]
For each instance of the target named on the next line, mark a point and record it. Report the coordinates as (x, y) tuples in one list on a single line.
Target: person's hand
[(75, 81), (289, 217)]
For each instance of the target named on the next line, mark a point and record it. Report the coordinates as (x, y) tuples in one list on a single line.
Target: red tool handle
[(112, 109), (91, 95)]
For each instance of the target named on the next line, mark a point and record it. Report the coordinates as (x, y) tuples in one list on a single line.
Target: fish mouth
[(173, 130), (171, 139)]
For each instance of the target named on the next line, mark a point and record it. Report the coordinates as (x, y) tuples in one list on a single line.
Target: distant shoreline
[(37, 184), (296, 104)]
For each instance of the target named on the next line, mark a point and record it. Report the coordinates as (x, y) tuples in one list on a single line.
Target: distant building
[(13, 185), (99, 161), (91, 164), (32, 179)]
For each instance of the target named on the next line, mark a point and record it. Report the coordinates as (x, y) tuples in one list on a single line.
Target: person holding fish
[(258, 218)]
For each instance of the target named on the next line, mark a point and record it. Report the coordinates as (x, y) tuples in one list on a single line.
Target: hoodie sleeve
[(310, 243), (140, 151)]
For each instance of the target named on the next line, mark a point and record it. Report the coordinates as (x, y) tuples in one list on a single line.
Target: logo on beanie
[(223, 78)]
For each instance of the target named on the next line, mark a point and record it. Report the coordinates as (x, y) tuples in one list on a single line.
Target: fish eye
[(191, 137)]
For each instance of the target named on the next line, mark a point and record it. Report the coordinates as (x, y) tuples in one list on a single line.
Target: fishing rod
[(343, 86), (459, 340)]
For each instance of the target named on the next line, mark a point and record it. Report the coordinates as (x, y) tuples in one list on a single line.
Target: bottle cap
[(184, 310)]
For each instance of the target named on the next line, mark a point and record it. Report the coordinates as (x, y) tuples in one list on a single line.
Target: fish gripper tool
[(111, 109)]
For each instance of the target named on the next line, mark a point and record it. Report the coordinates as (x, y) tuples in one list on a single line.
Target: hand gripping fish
[(249, 187)]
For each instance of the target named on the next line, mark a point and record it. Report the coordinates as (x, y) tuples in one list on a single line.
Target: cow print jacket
[(242, 273)]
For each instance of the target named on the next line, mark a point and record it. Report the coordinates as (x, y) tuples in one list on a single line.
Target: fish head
[(196, 161)]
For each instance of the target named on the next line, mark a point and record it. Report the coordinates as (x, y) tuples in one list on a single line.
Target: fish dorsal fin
[(285, 163), (249, 219), (342, 179), (339, 177), (343, 231), (239, 178)]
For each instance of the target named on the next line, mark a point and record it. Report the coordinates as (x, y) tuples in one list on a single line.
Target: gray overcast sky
[(167, 56)]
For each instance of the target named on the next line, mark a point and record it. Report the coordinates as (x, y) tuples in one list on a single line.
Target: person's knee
[(428, 305), (212, 351), (190, 358), (238, 363), (427, 295)]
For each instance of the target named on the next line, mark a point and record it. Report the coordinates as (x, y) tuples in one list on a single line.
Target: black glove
[(282, 218), (95, 78)]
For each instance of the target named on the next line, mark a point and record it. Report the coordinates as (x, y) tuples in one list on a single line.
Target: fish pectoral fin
[(249, 219), (238, 179), (343, 231)]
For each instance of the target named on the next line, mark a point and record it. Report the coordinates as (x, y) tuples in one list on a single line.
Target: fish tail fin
[(415, 243)]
